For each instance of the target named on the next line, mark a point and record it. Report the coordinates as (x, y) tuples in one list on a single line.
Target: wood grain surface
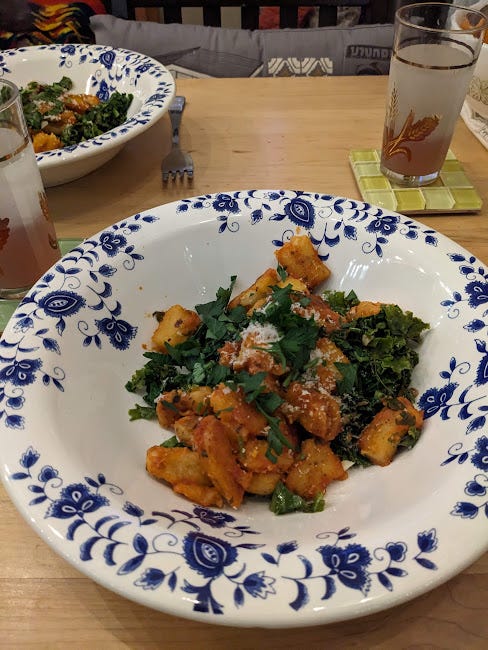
[(292, 133)]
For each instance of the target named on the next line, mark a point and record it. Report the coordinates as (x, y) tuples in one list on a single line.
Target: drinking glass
[(28, 243), (431, 66)]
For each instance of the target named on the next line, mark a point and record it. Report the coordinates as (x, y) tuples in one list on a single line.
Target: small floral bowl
[(98, 70)]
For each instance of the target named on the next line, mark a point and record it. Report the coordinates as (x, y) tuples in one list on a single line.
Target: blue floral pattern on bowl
[(57, 299), (338, 563), (243, 567)]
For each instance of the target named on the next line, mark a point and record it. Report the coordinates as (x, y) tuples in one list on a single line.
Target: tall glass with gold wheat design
[(431, 66), (28, 243)]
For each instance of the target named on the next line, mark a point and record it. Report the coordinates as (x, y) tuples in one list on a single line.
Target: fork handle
[(175, 111)]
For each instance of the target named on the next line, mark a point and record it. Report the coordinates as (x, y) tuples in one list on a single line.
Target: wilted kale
[(382, 355), (97, 120)]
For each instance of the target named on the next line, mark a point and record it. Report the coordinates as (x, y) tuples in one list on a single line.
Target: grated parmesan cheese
[(261, 334)]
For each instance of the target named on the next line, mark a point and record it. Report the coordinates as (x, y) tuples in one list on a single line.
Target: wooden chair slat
[(288, 17), (172, 14), (211, 16), (249, 17), (327, 16)]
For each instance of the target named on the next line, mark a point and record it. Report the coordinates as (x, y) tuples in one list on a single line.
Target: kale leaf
[(101, 118), (381, 349)]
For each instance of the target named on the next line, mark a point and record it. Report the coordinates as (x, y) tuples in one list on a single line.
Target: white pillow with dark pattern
[(358, 50)]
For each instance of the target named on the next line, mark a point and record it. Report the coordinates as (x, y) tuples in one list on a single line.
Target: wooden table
[(243, 134)]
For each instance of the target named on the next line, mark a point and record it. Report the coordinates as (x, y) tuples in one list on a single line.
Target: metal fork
[(177, 162)]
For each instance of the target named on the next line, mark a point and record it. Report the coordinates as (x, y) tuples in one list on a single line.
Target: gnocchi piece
[(259, 289), (204, 496), (379, 440), (320, 311), (263, 484), (231, 407), (316, 467), (251, 353), (219, 460), (253, 456), (327, 354), (81, 103), (59, 122), (229, 352), (184, 429), (183, 469), (175, 403), (166, 410), (295, 283), (176, 326), (363, 309), (45, 142), (317, 411), (300, 259)]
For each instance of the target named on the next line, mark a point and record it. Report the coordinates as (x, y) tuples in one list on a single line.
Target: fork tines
[(177, 163)]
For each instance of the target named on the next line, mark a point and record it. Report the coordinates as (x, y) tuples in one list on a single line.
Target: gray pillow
[(206, 51), (363, 49)]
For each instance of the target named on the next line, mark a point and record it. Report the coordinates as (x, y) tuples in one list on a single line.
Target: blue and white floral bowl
[(74, 464), (98, 70)]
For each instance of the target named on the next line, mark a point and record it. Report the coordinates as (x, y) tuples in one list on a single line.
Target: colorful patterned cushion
[(40, 22)]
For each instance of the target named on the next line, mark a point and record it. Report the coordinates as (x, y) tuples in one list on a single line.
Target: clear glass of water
[(432, 64), (28, 243)]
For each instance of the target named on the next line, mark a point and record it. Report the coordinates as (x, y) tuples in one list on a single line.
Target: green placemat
[(451, 193), (7, 307)]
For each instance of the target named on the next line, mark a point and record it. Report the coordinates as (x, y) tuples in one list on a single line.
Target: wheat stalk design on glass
[(411, 131)]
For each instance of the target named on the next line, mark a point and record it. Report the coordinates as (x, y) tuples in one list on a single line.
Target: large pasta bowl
[(74, 464), (97, 70)]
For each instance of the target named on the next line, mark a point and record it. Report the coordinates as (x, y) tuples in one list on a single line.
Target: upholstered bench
[(194, 50)]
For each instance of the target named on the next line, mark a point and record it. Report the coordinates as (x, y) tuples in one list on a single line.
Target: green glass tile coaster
[(7, 307), (451, 193), (408, 200), (374, 183), (455, 179), (451, 166), (438, 198), (365, 155), (382, 198)]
